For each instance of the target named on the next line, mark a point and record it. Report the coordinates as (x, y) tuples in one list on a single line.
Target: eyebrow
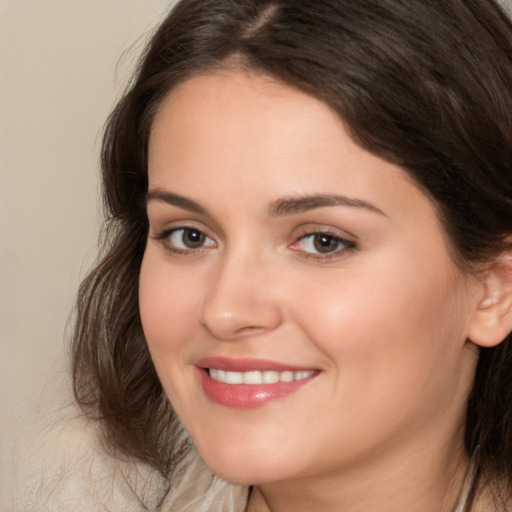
[(294, 205), (175, 200), (278, 208)]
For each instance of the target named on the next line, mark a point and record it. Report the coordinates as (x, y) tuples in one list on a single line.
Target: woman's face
[(311, 275)]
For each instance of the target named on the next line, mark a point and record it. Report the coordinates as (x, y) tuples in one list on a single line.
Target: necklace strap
[(468, 484)]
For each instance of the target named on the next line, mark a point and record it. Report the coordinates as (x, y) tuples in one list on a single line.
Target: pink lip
[(246, 396), (246, 365)]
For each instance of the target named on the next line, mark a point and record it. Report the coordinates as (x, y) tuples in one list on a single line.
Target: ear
[(492, 321)]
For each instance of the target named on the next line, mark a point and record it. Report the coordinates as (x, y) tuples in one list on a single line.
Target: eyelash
[(344, 246), (166, 233)]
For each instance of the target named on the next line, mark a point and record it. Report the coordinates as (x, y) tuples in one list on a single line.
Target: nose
[(240, 299)]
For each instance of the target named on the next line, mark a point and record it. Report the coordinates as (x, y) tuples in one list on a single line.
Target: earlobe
[(492, 320)]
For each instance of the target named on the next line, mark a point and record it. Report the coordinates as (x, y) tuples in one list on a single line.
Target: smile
[(258, 377), (250, 383)]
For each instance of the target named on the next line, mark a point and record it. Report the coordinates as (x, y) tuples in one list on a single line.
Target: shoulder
[(194, 488), (59, 464)]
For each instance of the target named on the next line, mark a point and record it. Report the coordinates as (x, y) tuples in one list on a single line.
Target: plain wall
[(62, 65)]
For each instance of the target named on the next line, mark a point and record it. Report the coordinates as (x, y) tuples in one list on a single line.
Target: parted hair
[(425, 84)]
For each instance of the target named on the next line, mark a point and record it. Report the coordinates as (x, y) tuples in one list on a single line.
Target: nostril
[(250, 330)]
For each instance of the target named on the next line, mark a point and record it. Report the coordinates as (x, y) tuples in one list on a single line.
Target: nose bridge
[(239, 299)]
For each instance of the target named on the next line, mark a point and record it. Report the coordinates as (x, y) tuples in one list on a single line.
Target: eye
[(323, 244), (185, 239)]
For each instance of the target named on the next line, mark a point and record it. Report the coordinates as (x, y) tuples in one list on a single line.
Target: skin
[(385, 322)]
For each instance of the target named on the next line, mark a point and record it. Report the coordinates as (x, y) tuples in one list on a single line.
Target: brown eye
[(324, 243), (186, 239), (192, 238)]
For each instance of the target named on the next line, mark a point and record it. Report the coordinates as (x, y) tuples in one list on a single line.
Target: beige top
[(59, 465)]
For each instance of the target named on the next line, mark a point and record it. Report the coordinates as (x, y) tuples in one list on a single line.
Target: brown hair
[(426, 84)]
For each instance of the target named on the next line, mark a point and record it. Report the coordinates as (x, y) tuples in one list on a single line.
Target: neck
[(421, 480)]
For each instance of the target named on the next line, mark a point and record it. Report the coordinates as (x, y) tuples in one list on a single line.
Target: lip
[(245, 396), (247, 365)]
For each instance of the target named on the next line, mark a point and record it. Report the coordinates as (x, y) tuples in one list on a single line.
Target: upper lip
[(247, 365)]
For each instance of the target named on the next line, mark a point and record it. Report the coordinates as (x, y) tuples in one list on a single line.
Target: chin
[(245, 471), (244, 476)]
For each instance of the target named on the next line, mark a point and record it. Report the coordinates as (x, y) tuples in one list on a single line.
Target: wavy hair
[(425, 84)]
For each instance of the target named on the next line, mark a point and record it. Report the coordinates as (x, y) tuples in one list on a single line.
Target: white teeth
[(257, 377), (252, 378), (234, 378), (286, 377), (219, 375), (270, 377)]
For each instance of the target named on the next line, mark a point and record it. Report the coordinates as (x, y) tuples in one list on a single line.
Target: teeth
[(252, 377), (256, 377), (286, 377), (234, 378), (270, 377)]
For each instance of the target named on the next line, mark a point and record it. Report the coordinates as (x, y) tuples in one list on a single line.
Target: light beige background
[(62, 64)]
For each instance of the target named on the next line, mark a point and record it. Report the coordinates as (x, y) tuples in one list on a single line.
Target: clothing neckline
[(468, 484)]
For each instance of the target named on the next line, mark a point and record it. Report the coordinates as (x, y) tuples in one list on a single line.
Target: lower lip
[(247, 396)]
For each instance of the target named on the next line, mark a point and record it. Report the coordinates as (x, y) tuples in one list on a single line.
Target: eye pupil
[(325, 243), (193, 238)]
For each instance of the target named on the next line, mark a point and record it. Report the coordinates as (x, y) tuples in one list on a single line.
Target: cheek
[(395, 331), (167, 303)]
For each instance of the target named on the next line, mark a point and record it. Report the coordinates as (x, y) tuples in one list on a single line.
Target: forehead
[(253, 135), (245, 102)]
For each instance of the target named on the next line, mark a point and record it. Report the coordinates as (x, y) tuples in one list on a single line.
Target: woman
[(308, 258)]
